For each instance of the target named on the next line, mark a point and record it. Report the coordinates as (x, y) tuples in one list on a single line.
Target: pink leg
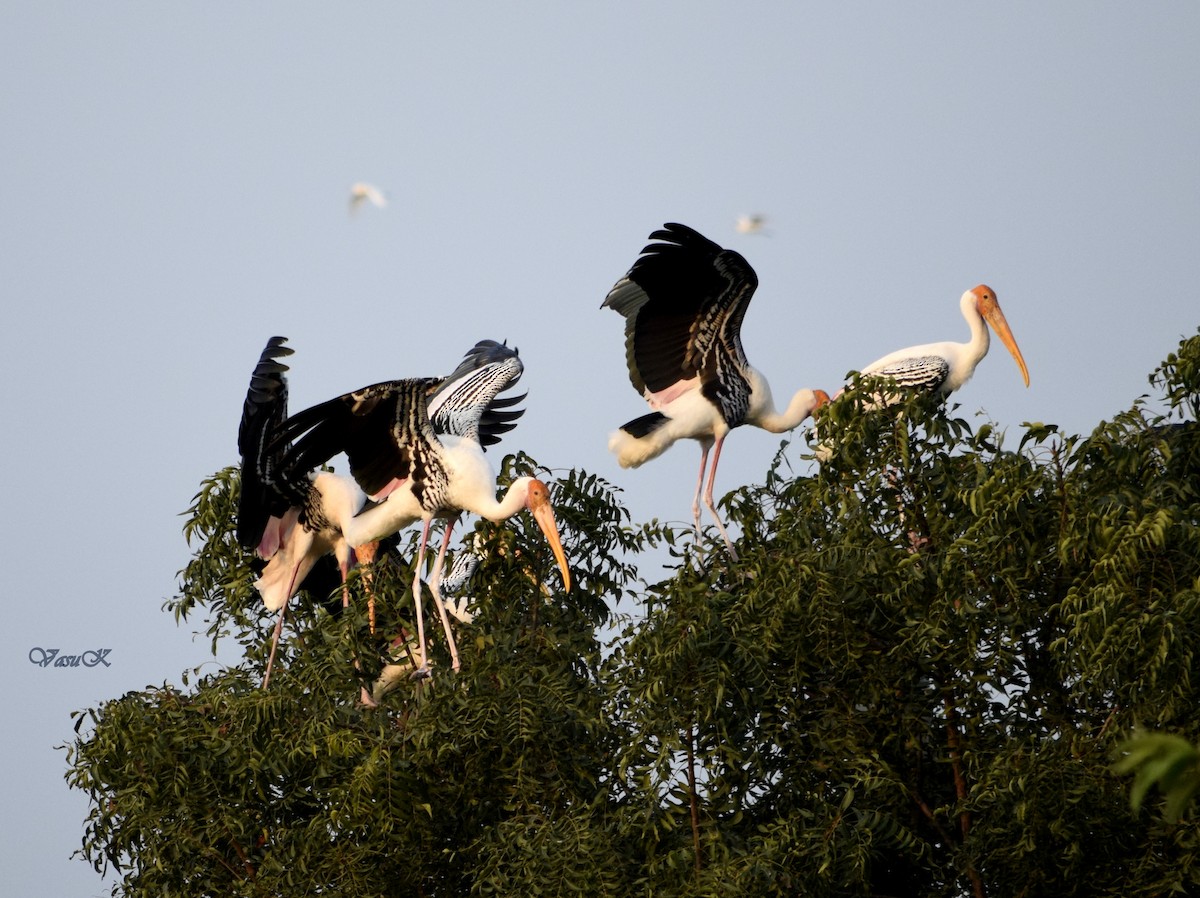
[(708, 497), (423, 670), (435, 582), (279, 627), (704, 447), (274, 646)]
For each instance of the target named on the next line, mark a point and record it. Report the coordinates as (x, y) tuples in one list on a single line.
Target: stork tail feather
[(645, 425)]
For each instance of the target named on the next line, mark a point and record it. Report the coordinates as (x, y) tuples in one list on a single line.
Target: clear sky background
[(173, 190)]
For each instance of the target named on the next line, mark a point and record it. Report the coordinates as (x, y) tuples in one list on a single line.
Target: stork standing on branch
[(416, 448), (944, 367), (683, 301)]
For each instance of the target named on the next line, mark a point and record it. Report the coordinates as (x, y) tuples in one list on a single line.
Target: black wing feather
[(499, 418), (376, 427), (645, 425), (684, 300), (266, 489)]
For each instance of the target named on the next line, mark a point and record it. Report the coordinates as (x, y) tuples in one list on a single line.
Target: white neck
[(514, 500), (762, 406), (798, 409), (980, 340)]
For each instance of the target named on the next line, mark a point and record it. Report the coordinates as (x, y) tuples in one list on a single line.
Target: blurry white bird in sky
[(362, 192), (751, 224)]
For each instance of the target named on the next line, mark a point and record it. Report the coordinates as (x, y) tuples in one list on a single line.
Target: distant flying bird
[(284, 514), (416, 448), (944, 367), (683, 302), (751, 224), (366, 193)]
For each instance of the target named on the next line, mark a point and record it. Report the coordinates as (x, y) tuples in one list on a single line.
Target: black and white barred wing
[(467, 403), (383, 429)]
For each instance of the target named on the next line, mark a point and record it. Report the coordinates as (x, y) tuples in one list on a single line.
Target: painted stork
[(284, 515), (944, 367), (683, 302), (416, 448)]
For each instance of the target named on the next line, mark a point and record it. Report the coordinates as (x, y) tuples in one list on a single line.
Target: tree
[(911, 683)]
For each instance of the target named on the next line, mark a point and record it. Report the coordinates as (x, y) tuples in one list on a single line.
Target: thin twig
[(692, 799)]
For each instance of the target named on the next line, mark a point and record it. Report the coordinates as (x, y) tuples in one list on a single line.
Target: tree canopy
[(912, 683)]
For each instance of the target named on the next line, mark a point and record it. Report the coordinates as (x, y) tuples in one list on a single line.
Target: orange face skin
[(989, 309), (538, 502)]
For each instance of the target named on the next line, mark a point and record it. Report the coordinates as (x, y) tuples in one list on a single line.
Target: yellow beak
[(996, 319), (543, 512)]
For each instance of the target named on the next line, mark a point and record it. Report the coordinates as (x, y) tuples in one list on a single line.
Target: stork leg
[(279, 625), (345, 557), (705, 445), (708, 496), (423, 670), (435, 582), (916, 541), (274, 646), (365, 555)]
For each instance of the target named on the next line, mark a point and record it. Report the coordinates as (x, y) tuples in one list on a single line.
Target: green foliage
[(1160, 759), (911, 684), (486, 782)]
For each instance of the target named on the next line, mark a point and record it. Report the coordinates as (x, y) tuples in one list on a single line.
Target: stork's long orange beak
[(543, 512), (989, 308)]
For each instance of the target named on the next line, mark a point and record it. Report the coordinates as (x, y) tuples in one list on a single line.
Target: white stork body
[(417, 448), (293, 545), (683, 302), (945, 367)]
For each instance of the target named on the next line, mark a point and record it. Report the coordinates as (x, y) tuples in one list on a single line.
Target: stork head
[(820, 400), (537, 500), (984, 300)]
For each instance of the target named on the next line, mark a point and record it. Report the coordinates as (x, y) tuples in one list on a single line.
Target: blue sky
[(173, 190)]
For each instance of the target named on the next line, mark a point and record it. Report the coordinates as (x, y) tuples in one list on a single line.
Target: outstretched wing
[(466, 403), (266, 489), (683, 302), (384, 429)]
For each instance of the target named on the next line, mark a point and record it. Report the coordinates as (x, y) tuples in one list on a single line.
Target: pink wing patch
[(394, 484), (277, 533), (670, 394)]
